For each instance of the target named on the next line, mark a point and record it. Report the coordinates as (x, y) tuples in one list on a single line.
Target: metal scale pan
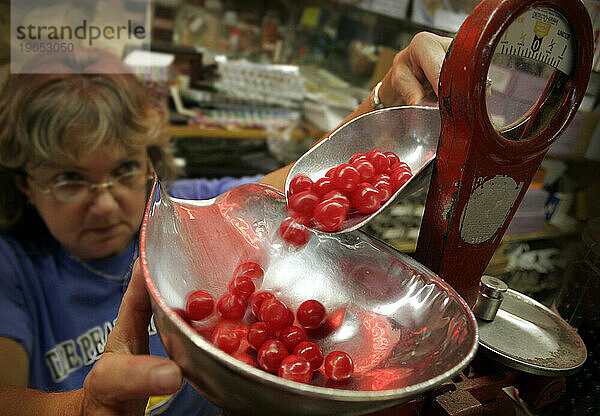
[(406, 330)]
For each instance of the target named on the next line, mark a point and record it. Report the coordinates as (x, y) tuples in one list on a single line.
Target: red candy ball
[(270, 355), (300, 183), (340, 197), (294, 232), (385, 188), (259, 333), (199, 305), (392, 157), (366, 198), (296, 369), (329, 215), (251, 269), (323, 186), (399, 177), (339, 366), (241, 286), (232, 306), (291, 336), (226, 339), (365, 169), (303, 203), (346, 177), (274, 313), (257, 299), (379, 160), (311, 314), (311, 352)]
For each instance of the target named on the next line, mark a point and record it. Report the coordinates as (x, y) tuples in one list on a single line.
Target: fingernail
[(167, 377)]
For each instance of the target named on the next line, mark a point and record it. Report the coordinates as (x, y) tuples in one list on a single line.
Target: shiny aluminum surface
[(405, 328), (489, 298), (411, 132), (528, 336)]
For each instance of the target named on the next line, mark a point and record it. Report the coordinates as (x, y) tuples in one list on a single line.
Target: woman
[(75, 154)]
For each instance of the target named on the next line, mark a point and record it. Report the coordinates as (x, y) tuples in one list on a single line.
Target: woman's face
[(103, 223)]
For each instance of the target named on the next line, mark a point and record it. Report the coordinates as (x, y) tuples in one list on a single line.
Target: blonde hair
[(61, 114)]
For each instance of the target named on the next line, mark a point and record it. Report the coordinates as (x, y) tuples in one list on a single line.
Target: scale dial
[(530, 72), (543, 35)]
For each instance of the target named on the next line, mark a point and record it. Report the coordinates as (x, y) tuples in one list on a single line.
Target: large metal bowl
[(405, 328)]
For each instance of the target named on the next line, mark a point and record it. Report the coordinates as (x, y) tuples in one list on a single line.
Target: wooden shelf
[(299, 133), (547, 232), (201, 131), (575, 160)]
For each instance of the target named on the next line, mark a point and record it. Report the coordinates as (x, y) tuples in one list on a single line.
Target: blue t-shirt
[(61, 312)]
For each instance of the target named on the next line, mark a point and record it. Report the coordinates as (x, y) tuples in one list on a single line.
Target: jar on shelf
[(270, 33)]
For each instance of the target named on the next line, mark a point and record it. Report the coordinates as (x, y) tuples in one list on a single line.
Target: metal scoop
[(411, 132)]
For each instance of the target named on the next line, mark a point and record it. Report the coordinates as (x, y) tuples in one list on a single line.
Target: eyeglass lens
[(72, 191)]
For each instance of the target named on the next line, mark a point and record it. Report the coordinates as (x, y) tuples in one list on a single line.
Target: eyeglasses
[(76, 191)]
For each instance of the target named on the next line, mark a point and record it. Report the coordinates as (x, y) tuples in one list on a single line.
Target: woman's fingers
[(119, 377), (120, 384), (121, 381), (427, 56), (130, 334), (415, 70)]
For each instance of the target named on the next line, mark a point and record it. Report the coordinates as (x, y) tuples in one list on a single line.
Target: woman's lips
[(104, 230)]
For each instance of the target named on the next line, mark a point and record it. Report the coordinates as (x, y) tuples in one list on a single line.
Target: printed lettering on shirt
[(91, 345), (55, 366), (107, 328), (63, 360), (152, 326), (65, 357)]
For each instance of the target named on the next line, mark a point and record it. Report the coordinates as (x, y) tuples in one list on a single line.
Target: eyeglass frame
[(92, 187)]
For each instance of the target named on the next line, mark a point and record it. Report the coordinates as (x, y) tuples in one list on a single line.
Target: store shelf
[(191, 131), (574, 160), (201, 131), (548, 231)]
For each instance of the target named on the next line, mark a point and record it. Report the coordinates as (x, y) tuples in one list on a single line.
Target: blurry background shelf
[(201, 131), (548, 231), (190, 131)]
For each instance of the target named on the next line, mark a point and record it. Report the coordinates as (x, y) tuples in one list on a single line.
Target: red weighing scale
[(483, 168)]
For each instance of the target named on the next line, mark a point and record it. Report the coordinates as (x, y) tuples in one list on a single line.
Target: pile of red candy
[(362, 185), (274, 342)]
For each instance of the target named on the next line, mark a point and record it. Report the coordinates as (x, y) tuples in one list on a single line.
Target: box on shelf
[(526, 222), (530, 215), (447, 16), (534, 201)]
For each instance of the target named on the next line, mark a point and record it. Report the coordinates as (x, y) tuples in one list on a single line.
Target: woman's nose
[(103, 201)]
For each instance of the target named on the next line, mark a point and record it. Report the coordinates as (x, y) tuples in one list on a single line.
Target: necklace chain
[(123, 279)]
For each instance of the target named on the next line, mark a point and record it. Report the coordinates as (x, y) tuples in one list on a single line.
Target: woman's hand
[(125, 376), (415, 70)]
